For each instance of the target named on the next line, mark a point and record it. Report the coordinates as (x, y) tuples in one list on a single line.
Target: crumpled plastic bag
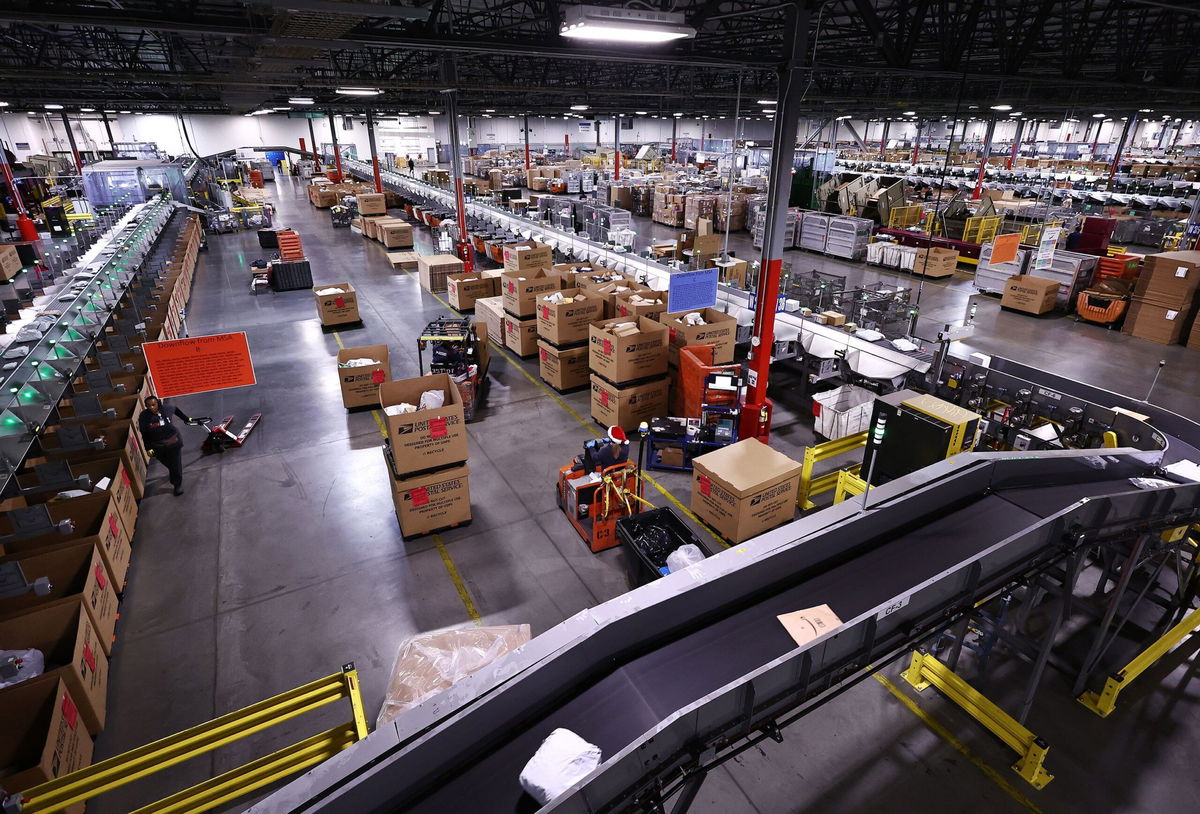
[(560, 762), (428, 663), (30, 663), (360, 362), (400, 409), (684, 556), (432, 399), (326, 292), (692, 319)]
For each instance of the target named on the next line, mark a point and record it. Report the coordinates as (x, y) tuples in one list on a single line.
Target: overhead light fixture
[(842, 118), (768, 101), (125, 112), (639, 113), (139, 113), (110, 111), (579, 107), (300, 100), (53, 107), (679, 115), (358, 91), (1016, 113), (3, 104), (1146, 110), (32, 113), (626, 25), (490, 110), (1098, 115), (81, 110), (435, 113), (284, 107), (910, 113), (1001, 108)]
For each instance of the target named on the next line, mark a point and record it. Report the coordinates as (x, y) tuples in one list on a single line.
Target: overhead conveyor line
[(695, 662)]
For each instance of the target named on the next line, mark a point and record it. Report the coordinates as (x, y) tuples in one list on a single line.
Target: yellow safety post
[(926, 671), (77, 787), (1105, 701), (848, 485), (809, 485)]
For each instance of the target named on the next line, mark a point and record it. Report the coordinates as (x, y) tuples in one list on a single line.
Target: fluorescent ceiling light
[(435, 113), (110, 111), (768, 101), (579, 107), (31, 113), (139, 113), (1001, 108), (81, 110), (1017, 113), (1098, 115), (1146, 110), (300, 100), (626, 25), (281, 108), (679, 115), (53, 107), (3, 104), (490, 110), (358, 91), (639, 113), (910, 113), (126, 112), (842, 118)]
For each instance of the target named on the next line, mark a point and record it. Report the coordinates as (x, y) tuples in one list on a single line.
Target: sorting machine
[(682, 674)]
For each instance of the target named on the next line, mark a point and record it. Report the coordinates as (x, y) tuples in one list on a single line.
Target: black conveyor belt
[(637, 695)]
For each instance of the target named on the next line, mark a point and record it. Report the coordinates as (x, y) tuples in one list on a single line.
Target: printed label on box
[(705, 485), (1181, 271), (1172, 314), (437, 427), (418, 496), (608, 348), (604, 398)]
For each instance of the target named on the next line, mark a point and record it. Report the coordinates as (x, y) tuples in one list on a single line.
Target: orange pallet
[(1102, 310), (1118, 267), (290, 247)]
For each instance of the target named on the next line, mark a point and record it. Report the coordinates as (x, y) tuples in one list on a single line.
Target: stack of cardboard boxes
[(525, 278), (435, 269), (709, 327), (1164, 301), (85, 548), (628, 362), (426, 454), (563, 320)]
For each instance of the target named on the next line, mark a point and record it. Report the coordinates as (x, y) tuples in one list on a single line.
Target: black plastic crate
[(650, 537)]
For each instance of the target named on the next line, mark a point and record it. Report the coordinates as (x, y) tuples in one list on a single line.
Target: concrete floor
[(283, 560)]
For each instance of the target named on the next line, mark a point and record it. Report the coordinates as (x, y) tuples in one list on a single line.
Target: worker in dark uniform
[(162, 438), (1074, 238), (412, 165)]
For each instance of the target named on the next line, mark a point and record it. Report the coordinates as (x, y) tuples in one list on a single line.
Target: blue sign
[(692, 290)]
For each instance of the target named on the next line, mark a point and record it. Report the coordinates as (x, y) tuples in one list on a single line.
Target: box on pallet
[(647, 304), (520, 335), (393, 233), (622, 350), (429, 438), (371, 203), (744, 489), (719, 330), (434, 268), (935, 262), (336, 308), (465, 289), (1033, 295), (64, 633), (431, 501), (563, 368), (527, 255), (521, 289), (627, 406), (43, 736), (567, 322), (490, 311), (611, 290), (360, 384)]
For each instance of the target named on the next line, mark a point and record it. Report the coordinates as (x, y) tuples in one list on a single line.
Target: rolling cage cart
[(455, 349), (673, 442)]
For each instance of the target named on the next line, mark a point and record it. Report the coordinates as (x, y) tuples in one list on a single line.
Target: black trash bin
[(650, 537), (268, 239)]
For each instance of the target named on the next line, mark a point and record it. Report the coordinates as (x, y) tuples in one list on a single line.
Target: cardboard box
[(580, 275), (490, 312), (744, 489), (623, 359), (372, 203), (622, 307), (433, 501), (1170, 278), (337, 309), (466, 289), (628, 406), (936, 262), (10, 261), (360, 385), (611, 290), (74, 569), (433, 269), (94, 516), (1032, 295), (1149, 320), (527, 255), (520, 289), (108, 467), (520, 335), (425, 439), (43, 736), (370, 226), (403, 260), (720, 332), (118, 437), (64, 633), (563, 368), (567, 323), (394, 234)]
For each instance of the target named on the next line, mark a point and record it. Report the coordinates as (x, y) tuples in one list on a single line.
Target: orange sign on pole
[(199, 364), (1004, 248)]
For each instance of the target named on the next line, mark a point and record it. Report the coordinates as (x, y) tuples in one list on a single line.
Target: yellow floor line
[(957, 745), (457, 579)]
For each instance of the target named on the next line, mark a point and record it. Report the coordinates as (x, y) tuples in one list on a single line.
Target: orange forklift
[(601, 486)]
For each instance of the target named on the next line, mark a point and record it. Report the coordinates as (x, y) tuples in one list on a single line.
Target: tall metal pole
[(71, 141), (1096, 140), (883, 139), (337, 152), (1162, 134), (526, 118), (313, 135), (917, 145), (374, 155), (755, 419), (464, 249), (616, 148), (984, 154), (567, 143), (25, 225), (674, 130), (1016, 148), (1130, 122), (108, 129)]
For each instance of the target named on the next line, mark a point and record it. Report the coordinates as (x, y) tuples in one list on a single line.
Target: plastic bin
[(650, 537), (843, 411)]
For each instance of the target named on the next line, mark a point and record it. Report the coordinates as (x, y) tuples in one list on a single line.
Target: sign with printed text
[(1046, 248), (692, 290), (1004, 248), (585, 126), (199, 364)]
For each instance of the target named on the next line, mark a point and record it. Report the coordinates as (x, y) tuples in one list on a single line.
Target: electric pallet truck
[(601, 486), (220, 437)]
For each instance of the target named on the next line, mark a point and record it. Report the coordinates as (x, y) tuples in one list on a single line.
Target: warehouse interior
[(704, 406)]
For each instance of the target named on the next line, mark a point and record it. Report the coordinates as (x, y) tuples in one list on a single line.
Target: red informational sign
[(1004, 248), (199, 364)]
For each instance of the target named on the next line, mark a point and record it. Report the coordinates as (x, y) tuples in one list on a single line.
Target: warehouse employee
[(163, 439)]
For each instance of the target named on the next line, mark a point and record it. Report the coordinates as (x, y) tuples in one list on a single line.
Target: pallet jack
[(219, 437), (601, 486)]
